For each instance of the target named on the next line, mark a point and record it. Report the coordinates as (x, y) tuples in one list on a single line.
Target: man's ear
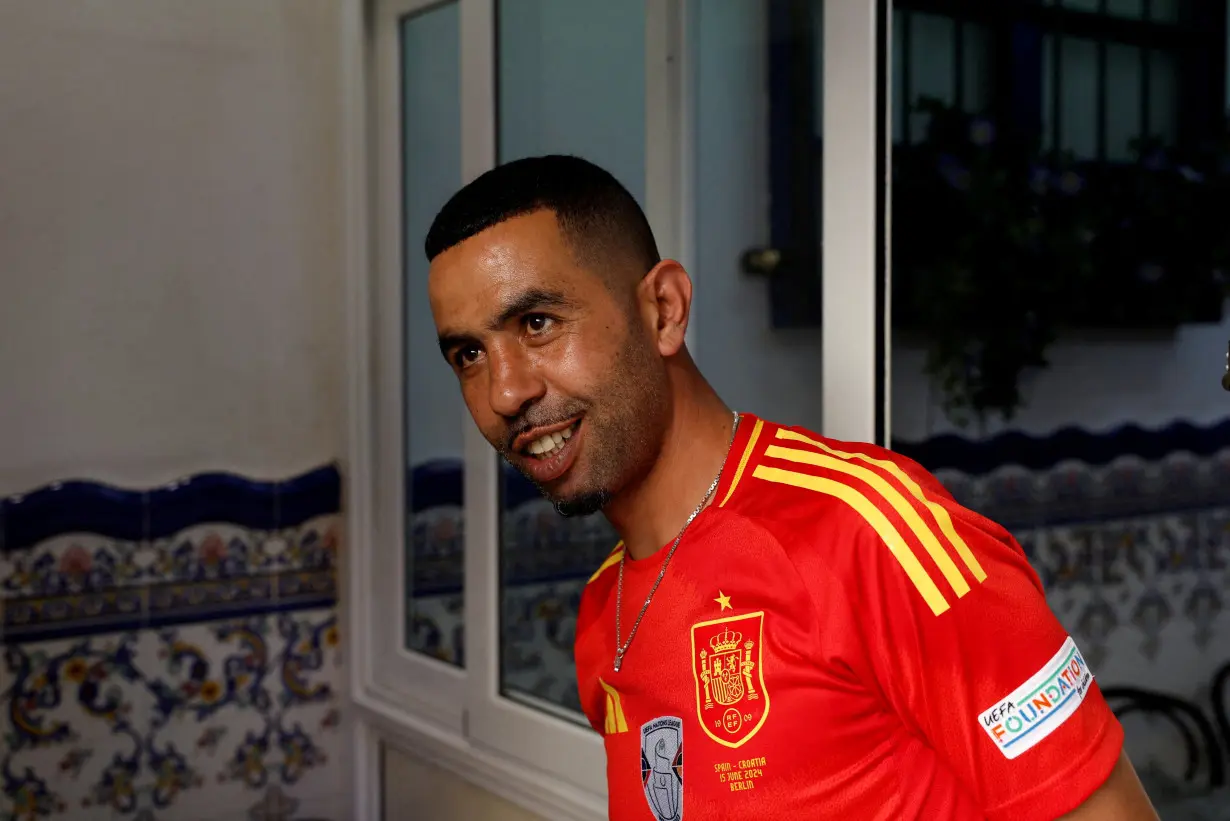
[(667, 291)]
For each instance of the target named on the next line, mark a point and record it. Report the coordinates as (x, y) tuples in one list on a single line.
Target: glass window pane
[(1132, 9), (932, 70), (571, 81), (431, 158), (1078, 91), (757, 184), (977, 68), (1123, 100), (932, 66), (1059, 334), (1168, 11), (1164, 96)]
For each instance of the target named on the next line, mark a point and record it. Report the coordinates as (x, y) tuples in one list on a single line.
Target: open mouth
[(549, 455), (551, 444)]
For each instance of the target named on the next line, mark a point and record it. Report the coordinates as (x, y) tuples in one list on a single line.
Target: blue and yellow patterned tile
[(208, 552), (435, 627), (66, 583), (71, 708), (307, 567), (304, 727), (173, 603), (152, 659), (313, 545), (156, 720), (67, 564), (45, 618), (436, 537), (278, 728), (1213, 526), (212, 678)]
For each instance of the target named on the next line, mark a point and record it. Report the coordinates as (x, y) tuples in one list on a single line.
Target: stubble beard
[(623, 443)]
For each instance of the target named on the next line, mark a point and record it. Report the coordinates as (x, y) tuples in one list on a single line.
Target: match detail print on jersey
[(1038, 707), (732, 703), (867, 485), (662, 767)]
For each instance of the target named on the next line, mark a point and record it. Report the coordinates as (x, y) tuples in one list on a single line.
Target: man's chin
[(585, 504), (569, 502)]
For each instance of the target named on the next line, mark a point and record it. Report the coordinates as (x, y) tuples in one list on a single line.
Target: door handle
[(761, 262)]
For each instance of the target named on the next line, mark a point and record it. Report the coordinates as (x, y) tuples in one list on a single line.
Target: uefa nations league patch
[(662, 767), (1038, 707)]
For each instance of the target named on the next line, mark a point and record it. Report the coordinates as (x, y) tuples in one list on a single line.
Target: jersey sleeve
[(599, 701), (960, 639)]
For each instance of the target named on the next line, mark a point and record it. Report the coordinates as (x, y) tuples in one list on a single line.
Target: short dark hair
[(595, 212)]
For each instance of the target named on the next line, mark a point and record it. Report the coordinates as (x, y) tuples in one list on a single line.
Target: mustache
[(537, 417)]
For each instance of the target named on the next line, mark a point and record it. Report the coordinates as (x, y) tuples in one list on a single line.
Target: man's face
[(559, 369)]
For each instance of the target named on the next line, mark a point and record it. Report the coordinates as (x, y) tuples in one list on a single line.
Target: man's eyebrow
[(528, 301)]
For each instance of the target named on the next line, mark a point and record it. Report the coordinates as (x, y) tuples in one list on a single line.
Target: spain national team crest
[(731, 700), (662, 767)]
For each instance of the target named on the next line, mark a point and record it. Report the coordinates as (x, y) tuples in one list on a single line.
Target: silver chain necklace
[(620, 649)]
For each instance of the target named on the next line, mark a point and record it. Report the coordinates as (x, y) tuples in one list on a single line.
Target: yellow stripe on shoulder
[(611, 561), (743, 460), (881, 486), (942, 519), (874, 517)]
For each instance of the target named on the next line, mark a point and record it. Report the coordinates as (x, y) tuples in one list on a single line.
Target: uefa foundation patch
[(1038, 707)]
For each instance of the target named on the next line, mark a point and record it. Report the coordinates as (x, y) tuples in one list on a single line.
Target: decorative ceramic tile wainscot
[(172, 654)]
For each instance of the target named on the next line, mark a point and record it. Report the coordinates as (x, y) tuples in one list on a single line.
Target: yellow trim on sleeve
[(891, 495), (874, 517), (743, 460), (610, 561), (942, 519)]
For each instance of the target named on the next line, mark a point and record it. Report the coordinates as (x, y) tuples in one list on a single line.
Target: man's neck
[(649, 515)]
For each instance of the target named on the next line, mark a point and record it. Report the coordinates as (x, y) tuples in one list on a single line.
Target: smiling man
[(822, 628)]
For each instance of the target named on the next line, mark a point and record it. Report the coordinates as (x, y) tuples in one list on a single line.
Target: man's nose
[(515, 382)]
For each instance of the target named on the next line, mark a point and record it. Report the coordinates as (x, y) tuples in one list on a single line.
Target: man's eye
[(466, 356), (538, 323)]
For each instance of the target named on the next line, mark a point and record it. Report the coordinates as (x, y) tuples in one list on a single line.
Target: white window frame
[(852, 184), (455, 717)]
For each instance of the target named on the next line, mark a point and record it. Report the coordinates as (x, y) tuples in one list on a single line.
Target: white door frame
[(854, 258)]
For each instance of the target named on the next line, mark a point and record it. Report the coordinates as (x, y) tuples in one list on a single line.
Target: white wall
[(170, 235), (1094, 383)]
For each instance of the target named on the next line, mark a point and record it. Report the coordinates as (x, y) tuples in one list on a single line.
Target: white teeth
[(548, 444), (543, 446)]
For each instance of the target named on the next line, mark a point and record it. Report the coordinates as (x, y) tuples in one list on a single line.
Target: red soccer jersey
[(836, 638)]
